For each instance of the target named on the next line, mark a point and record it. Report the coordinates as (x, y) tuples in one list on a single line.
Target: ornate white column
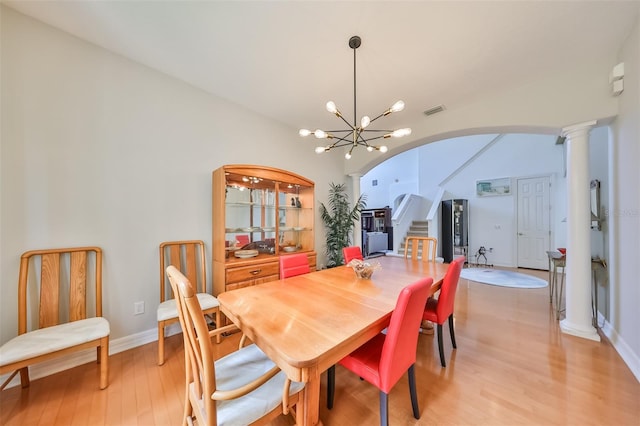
[(357, 229), (578, 283)]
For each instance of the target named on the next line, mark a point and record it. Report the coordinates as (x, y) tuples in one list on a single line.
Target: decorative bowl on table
[(363, 269)]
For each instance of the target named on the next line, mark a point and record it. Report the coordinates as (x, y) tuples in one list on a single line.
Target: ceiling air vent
[(434, 110)]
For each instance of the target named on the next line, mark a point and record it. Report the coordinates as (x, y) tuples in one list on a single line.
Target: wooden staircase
[(418, 228)]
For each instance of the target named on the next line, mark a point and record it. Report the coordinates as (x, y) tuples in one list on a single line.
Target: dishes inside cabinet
[(251, 229), (245, 254), (290, 249)]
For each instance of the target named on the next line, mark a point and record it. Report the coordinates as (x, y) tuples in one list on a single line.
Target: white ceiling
[(285, 59)]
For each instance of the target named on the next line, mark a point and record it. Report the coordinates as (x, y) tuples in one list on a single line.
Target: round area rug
[(502, 278)]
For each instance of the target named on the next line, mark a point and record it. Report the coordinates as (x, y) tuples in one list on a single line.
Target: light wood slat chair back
[(188, 256), (57, 289), (202, 370), (423, 247), (62, 272)]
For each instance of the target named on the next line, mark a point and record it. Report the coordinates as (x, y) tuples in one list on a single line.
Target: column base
[(589, 332)]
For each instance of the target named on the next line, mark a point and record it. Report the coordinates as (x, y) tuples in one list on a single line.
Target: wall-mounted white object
[(617, 87), (616, 79), (617, 73)]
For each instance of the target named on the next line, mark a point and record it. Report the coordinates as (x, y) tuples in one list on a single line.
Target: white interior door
[(534, 215)]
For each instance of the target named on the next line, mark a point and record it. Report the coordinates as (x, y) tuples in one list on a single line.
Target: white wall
[(599, 169), (623, 217), (99, 150), (393, 179)]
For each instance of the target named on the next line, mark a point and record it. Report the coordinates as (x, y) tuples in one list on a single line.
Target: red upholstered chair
[(439, 310), (350, 253), (294, 264), (383, 360)]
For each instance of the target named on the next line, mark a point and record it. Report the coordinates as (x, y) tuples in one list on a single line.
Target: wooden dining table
[(308, 323)]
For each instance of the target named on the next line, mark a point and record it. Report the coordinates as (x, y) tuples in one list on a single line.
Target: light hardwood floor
[(513, 366)]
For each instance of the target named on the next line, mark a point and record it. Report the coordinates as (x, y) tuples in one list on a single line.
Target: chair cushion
[(239, 368), (51, 339), (168, 309)]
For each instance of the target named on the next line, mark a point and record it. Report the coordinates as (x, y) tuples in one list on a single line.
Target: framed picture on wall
[(493, 187)]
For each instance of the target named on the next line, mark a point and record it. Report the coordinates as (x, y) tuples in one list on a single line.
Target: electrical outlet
[(138, 308)]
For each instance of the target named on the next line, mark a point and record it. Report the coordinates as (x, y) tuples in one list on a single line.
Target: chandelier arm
[(339, 144), (374, 138), (360, 140), (374, 119), (342, 139), (348, 124)]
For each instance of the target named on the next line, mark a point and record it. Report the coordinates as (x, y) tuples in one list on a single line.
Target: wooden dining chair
[(421, 247), (61, 290), (441, 309), (187, 256), (384, 359), (294, 264), (242, 388), (352, 252)]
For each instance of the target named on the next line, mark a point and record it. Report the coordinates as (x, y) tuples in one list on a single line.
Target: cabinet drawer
[(251, 272), (241, 284)]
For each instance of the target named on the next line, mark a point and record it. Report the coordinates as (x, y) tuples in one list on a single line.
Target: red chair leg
[(452, 332), (441, 346), (331, 385), (384, 409), (412, 391)]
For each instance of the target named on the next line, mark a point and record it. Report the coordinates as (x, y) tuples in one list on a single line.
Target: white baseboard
[(122, 344), (626, 353)]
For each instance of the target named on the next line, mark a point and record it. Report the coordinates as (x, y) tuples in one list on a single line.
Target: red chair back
[(350, 253), (448, 290), (294, 264), (400, 345), (242, 240)]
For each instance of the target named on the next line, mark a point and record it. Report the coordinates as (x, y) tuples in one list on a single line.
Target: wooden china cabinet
[(259, 214)]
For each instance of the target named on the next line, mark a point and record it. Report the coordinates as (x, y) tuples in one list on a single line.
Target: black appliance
[(455, 229)]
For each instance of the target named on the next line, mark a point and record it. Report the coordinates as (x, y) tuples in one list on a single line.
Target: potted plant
[(339, 219)]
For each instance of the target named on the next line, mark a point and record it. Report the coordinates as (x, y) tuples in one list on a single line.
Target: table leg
[(552, 270), (311, 402), (560, 290)]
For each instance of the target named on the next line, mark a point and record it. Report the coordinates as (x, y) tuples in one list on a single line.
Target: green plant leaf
[(339, 220)]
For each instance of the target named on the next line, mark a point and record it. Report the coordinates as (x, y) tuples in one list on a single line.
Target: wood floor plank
[(114, 398), (513, 366)]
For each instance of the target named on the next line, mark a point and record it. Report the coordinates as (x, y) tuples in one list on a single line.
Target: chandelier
[(356, 135)]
